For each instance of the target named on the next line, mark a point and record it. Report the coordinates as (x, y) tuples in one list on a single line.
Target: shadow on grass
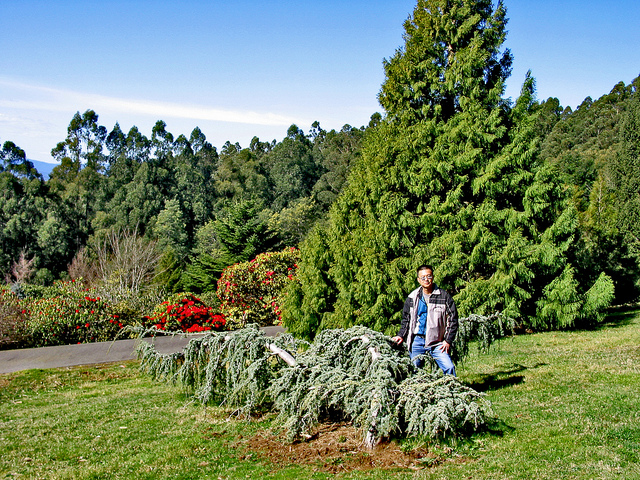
[(616, 318), (498, 428), (619, 318), (470, 440), (500, 379)]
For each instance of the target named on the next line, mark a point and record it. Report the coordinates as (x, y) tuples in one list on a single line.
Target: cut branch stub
[(375, 353), (372, 438), (283, 354), (364, 339)]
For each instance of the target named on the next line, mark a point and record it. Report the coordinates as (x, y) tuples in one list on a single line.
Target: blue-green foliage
[(358, 375)]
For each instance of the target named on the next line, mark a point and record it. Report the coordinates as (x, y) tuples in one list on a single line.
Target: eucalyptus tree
[(35, 224), (126, 152), (193, 186), (24, 201), (14, 160), (291, 168), (241, 176), (84, 143), (335, 153), (79, 175), (162, 142)]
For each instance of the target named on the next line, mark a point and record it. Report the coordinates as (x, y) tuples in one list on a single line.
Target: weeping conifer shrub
[(357, 375), (230, 368)]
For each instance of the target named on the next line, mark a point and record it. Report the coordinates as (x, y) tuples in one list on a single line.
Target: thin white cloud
[(31, 97)]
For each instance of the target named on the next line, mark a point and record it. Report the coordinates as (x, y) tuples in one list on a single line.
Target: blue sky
[(252, 68)]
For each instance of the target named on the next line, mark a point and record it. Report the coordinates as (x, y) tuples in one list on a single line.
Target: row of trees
[(594, 150), (206, 210), (524, 207)]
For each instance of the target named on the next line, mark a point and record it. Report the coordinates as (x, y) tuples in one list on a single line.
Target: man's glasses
[(426, 277)]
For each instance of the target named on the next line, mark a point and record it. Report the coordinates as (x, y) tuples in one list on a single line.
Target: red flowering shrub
[(69, 313), (252, 292), (187, 313)]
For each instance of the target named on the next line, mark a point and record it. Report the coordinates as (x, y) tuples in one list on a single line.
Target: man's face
[(425, 278)]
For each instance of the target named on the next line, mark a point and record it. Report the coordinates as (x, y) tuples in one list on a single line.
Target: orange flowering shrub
[(187, 313), (252, 292)]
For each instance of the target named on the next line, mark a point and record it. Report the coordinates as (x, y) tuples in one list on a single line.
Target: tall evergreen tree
[(291, 169), (450, 177), (240, 175), (627, 176), (14, 160), (585, 146), (24, 203), (238, 233), (170, 229), (335, 153), (193, 184), (78, 178)]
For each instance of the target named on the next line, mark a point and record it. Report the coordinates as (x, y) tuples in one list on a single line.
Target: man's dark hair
[(424, 267)]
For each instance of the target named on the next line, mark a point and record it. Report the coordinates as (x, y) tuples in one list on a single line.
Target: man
[(429, 322)]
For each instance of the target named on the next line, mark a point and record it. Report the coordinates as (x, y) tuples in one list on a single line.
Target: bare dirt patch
[(335, 448)]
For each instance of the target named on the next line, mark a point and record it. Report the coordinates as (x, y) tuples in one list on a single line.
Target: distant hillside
[(43, 168)]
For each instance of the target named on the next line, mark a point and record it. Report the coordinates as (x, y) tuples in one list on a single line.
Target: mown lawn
[(567, 403)]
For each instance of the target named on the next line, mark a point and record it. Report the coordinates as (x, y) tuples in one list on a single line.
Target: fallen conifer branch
[(356, 375)]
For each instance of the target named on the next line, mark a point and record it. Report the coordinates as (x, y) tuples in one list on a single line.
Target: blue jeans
[(442, 358)]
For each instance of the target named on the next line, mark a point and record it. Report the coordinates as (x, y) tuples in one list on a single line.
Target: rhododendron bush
[(68, 313), (184, 312), (252, 292), (249, 292)]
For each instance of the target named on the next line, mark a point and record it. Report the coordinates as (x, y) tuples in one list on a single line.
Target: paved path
[(91, 353)]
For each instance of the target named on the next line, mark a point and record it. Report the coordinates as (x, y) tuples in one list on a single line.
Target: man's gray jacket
[(442, 318)]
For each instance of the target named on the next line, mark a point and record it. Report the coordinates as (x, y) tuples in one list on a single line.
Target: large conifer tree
[(450, 177)]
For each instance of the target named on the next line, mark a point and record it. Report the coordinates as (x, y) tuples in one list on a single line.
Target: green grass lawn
[(568, 405)]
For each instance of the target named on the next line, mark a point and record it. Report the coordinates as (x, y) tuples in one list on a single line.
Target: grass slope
[(567, 404)]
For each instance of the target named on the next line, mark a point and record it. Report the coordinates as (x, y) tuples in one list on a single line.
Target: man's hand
[(444, 347), (397, 340)]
